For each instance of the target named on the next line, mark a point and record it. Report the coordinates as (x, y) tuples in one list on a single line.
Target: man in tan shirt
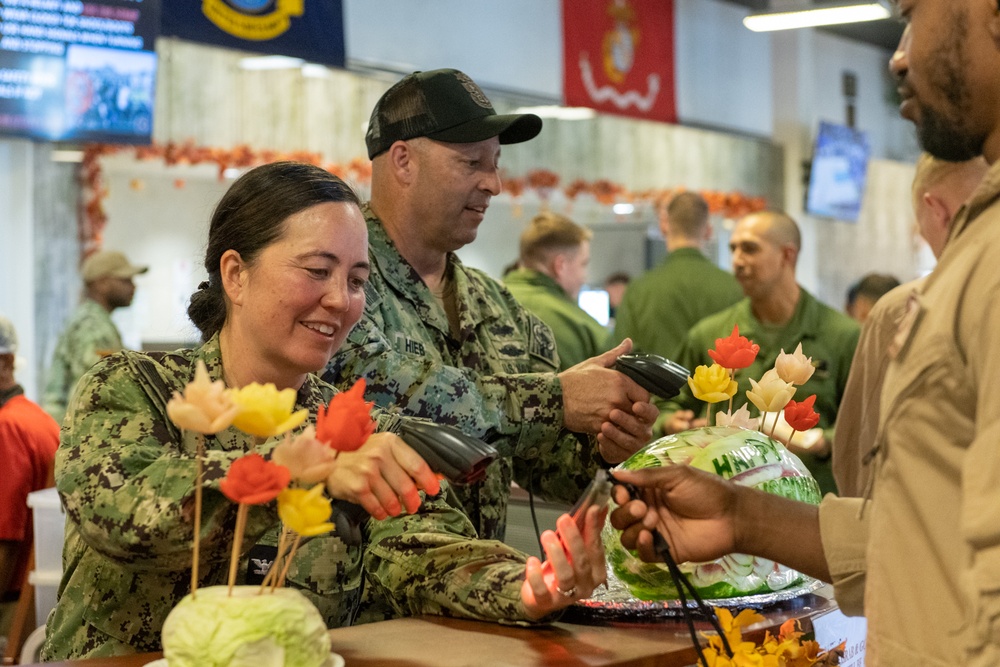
[(940, 188), (925, 550)]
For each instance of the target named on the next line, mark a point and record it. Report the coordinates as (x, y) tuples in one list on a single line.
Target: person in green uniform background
[(776, 314), (90, 334), (662, 304), (554, 256)]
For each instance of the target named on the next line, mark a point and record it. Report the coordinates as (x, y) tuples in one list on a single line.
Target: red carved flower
[(346, 422), (734, 351), (801, 416), (253, 481)]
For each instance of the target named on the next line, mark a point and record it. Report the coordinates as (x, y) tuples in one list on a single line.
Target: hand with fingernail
[(573, 567)]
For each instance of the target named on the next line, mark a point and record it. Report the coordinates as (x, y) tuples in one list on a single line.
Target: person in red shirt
[(28, 441)]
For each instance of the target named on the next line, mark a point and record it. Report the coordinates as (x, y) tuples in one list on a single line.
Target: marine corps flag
[(618, 57)]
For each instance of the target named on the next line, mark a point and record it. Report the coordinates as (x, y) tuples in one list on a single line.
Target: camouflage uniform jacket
[(495, 379), (126, 477), (89, 334)]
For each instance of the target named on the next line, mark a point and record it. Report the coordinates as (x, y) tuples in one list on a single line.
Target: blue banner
[(309, 29)]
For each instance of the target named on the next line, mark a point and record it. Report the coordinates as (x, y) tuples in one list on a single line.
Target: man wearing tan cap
[(90, 334)]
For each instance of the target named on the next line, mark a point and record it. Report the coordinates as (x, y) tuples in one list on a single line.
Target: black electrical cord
[(681, 582), (534, 521)]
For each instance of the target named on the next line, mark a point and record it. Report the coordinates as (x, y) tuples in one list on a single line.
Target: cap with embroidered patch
[(444, 105)]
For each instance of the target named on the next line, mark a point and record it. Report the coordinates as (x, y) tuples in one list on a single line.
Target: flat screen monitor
[(837, 176), (78, 71), (597, 303)]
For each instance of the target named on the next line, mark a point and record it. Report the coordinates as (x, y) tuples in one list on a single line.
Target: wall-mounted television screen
[(837, 176), (78, 71)]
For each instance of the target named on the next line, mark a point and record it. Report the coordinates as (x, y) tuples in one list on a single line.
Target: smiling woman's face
[(296, 304)]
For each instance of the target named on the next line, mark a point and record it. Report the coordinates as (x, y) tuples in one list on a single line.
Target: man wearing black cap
[(444, 341)]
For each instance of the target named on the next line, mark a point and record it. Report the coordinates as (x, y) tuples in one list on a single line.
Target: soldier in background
[(777, 314), (862, 295), (662, 304), (615, 285), (555, 253), (90, 334), (444, 341)]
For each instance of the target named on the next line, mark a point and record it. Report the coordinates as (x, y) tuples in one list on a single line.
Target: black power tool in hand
[(459, 457), (657, 375)]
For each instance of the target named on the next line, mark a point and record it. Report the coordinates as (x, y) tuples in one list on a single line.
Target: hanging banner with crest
[(618, 57), (309, 29)]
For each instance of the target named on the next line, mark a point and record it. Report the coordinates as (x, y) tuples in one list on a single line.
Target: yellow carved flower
[(772, 393), (265, 411), (205, 407), (712, 384), (305, 512)]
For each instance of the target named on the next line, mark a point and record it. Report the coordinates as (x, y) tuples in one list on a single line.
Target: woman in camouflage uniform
[(287, 262)]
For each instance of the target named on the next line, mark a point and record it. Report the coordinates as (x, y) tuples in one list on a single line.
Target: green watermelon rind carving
[(730, 452)]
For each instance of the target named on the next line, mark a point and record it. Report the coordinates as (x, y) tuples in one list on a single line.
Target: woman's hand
[(573, 567), (383, 476)]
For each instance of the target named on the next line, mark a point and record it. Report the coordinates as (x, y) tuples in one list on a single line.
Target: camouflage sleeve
[(428, 563), (128, 483), (513, 412), (521, 409)]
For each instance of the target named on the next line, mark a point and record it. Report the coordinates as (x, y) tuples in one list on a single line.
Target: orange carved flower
[(734, 351), (253, 481), (346, 422)]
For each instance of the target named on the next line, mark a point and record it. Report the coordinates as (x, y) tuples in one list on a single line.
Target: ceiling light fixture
[(817, 15), (559, 112)]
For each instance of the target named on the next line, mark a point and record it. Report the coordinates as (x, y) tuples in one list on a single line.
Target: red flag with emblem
[(618, 57)]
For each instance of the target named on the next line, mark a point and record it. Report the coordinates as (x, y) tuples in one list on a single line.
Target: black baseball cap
[(444, 105)]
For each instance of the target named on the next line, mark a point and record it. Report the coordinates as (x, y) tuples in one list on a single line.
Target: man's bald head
[(777, 226)]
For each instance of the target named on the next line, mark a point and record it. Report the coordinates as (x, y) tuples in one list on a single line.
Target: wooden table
[(434, 641)]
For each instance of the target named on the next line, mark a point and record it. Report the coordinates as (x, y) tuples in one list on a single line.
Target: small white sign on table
[(834, 628)]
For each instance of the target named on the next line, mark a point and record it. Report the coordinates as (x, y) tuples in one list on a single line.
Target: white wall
[(514, 44), (723, 70), (17, 265), (159, 217)]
